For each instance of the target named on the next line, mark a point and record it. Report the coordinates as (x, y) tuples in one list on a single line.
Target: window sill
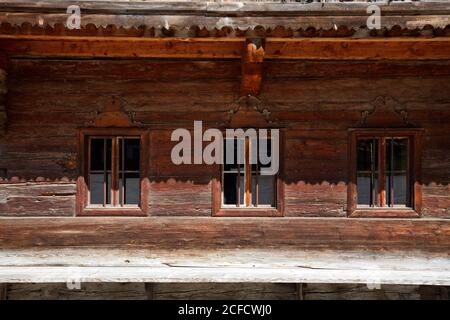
[(109, 212), (250, 212), (384, 213)]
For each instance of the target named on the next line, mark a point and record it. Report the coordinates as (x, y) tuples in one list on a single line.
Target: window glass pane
[(237, 150), (400, 154), (242, 189), (97, 154), (266, 192), (367, 154), (367, 172), (108, 154), (120, 153), (254, 191), (265, 148), (132, 154), (396, 166), (108, 188), (367, 186), (400, 189), (132, 188), (96, 188), (229, 189)]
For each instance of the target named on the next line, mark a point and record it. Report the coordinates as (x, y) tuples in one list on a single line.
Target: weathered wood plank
[(176, 232), (239, 265), (276, 48)]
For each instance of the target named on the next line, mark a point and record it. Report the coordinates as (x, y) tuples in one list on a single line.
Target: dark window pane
[(388, 155), (120, 153), (132, 188), (237, 150), (367, 174), (229, 189), (242, 189), (265, 148), (108, 154), (400, 154), (367, 154), (96, 188), (266, 186), (97, 154), (396, 166), (108, 188), (132, 154), (254, 191)]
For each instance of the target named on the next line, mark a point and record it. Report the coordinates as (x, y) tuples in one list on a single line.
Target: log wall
[(315, 101), (233, 291)]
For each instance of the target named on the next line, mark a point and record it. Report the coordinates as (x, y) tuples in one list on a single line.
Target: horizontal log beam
[(207, 232), (227, 48), (227, 9)]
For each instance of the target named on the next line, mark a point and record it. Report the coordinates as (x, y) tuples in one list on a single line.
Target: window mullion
[(381, 173), (105, 174), (114, 167), (248, 174), (122, 187)]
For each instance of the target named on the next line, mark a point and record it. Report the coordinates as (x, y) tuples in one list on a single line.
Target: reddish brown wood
[(252, 67), (276, 48), (49, 99), (3, 61), (207, 232)]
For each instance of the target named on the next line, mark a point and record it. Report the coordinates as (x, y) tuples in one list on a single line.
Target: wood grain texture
[(49, 99), (268, 265), (232, 48), (179, 232), (194, 291)]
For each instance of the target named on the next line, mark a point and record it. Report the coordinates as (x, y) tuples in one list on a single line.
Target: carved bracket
[(252, 67), (385, 111)]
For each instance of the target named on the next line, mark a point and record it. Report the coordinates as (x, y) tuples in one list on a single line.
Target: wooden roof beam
[(227, 48)]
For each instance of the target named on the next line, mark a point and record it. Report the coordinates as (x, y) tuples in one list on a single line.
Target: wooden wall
[(315, 101), (231, 291)]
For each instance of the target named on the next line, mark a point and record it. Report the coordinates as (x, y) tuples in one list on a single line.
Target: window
[(113, 181), (246, 187), (385, 173)]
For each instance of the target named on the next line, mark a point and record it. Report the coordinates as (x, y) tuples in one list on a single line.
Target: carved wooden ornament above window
[(386, 112), (248, 114), (113, 115)]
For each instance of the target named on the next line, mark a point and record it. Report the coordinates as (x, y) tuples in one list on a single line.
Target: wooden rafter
[(227, 48)]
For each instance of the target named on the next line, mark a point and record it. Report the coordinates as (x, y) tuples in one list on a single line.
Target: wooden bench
[(228, 265)]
